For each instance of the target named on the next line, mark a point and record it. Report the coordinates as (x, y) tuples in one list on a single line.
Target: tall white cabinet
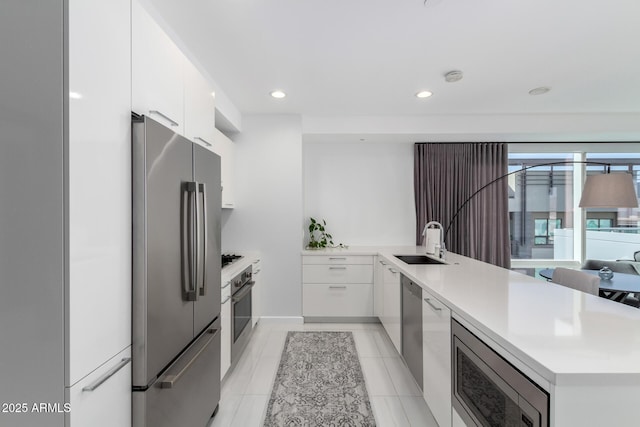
[(99, 184)]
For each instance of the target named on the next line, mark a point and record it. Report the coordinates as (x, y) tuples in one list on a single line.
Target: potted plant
[(319, 237)]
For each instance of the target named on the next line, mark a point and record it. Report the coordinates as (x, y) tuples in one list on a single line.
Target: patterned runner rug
[(319, 383)]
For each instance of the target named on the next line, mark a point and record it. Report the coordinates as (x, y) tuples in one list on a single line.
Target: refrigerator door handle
[(196, 233), (203, 189), (189, 287), (170, 380)]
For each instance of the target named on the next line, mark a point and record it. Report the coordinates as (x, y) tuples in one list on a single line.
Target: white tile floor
[(395, 398)]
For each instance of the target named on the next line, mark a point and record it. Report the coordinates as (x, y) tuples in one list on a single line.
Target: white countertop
[(248, 258), (566, 336)]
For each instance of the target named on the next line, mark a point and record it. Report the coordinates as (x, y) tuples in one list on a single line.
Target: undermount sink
[(418, 259)]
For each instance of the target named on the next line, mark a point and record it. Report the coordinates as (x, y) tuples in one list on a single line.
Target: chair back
[(576, 279), (615, 266)]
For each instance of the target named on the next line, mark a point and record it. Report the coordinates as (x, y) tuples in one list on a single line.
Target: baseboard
[(293, 320), (338, 319)]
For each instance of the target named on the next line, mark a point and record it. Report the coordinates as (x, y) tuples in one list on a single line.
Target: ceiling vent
[(453, 76), (539, 90)]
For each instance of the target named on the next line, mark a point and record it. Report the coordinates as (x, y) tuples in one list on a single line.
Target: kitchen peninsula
[(583, 350)]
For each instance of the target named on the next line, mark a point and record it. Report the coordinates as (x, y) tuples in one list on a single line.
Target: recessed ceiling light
[(278, 94), (424, 94), (453, 76), (539, 90), (75, 95), (213, 94)]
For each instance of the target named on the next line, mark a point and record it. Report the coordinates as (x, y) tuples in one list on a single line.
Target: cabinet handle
[(382, 262), (336, 258), (226, 299), (394, 271), (337, 268), (337, 287), (227, 285), (255, 273), (204, 141), (158, 113), (428, 301), (97, 383), (256, 261)]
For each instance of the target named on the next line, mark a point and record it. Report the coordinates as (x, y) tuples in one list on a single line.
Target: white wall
[(363, 190), (268, 212)]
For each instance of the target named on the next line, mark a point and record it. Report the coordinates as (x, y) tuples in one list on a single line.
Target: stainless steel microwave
[(489, 391)]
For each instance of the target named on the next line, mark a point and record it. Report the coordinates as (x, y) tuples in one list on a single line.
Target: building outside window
[(599, 223), (543, 210), (544, 229)]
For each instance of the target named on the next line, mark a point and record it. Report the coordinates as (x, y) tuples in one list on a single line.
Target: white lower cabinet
[(256, 292), (337, 286), (436, 351), (392, 305), (103, 398), (378, 288), (225, 333), (339, 300)]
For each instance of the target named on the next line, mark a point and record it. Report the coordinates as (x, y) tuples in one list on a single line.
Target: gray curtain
[(445, 176)]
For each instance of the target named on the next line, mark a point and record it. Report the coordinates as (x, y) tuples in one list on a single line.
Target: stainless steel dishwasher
[(412, 328)]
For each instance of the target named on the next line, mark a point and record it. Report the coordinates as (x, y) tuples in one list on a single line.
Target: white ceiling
[(369, 57)]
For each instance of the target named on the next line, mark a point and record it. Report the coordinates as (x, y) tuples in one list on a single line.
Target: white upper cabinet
[(199, 107), (99, 192), (225, 148), (157, 72)]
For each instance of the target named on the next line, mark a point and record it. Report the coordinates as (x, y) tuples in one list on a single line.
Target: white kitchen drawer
[(103, 398), (340, 273), (337, 259), (327, 300)]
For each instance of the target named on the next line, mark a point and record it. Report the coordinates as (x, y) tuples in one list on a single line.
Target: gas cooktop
[(229, 258)]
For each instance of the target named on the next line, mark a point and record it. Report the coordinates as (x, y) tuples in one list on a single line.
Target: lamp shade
[(609, 190)]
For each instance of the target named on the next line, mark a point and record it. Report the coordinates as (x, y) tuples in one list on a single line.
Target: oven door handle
[(243, 292)]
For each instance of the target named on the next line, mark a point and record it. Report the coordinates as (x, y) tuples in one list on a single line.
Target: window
[(545, 220), (598, 223), (540, 202), (544, 229)]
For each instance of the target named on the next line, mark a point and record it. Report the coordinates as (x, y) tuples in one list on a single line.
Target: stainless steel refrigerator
[(176, 278)]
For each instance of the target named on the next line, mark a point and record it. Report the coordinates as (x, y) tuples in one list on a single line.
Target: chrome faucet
[(441, 251)]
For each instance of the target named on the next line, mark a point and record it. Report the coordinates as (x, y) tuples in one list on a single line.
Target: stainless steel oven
[(489, 391), (241, 322)]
